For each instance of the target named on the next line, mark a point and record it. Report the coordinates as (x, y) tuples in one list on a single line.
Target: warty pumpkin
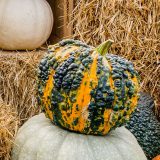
[(24, 24), (83, 89), (145, 126), (39, 139)]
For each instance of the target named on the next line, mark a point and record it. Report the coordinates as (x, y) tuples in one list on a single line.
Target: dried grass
[(134, 25), (18, 81), (8, 127), (17, 94)]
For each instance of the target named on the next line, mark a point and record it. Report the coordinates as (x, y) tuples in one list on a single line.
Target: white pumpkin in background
[(24, 24), (39, 139)]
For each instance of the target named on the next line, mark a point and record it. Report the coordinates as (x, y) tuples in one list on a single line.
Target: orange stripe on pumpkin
[(107, 126), (156, 158), (50, 84), (47, 92), (83, 96), (134, 99)]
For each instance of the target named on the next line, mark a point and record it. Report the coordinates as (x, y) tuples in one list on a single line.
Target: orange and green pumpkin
[(83, 89)]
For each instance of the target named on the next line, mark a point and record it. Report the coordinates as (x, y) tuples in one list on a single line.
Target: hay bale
[(18, 81), (8, 128), (18, 89), (135, 28)]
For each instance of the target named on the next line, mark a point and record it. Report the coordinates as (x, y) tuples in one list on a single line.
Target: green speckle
[(115, 108), (75, 122)]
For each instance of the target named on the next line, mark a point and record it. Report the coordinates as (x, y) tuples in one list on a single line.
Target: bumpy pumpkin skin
[(83, 91), (145, 126), (39, 139)]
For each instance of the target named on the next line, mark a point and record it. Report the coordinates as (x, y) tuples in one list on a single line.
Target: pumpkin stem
[(104, 47)]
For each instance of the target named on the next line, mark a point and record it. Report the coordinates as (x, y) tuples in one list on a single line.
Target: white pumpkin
[(39, 139), (24, 24)]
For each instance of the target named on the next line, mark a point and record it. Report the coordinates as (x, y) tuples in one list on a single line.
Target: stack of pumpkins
[(80, 89), (86, 96)]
